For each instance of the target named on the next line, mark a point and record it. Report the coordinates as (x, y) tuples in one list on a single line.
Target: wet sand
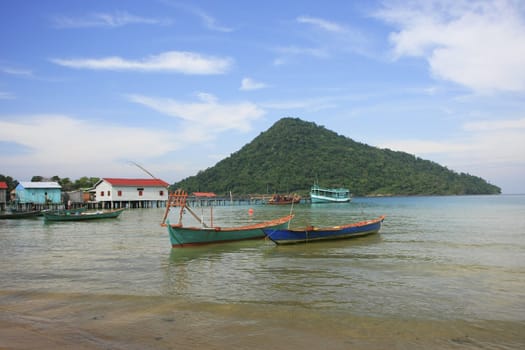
[(33, 320)]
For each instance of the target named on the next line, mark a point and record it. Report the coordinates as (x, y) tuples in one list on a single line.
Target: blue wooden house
[(39, 193)]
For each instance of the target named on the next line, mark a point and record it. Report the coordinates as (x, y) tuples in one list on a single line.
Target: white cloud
[(306, 51), (322, 24), (486, 148), (118, 19), (73, 146), (15, 71), (248, 84), (171, 61), (206, 117), (493, 125), (211, 23), (478, 44)]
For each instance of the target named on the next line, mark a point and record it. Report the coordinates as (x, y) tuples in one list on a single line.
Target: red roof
[(136, 182), (3, 185), (204, 194)]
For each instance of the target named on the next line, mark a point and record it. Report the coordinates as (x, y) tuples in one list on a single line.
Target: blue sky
[(88, 86)]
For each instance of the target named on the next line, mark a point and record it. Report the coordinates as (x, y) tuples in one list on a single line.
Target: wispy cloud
[(172, 61), (303, 51), (111, 20), (248, 84), (327, 39), (208, 20), (477, 44), (206, 114), (322, 24), (15, 71), (306, 104), (4, 95)]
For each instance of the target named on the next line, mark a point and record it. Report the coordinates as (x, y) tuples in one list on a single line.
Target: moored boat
[(20, 214), (312, 234), (183, 236), (81, 215), (329, 195), (278, 199)]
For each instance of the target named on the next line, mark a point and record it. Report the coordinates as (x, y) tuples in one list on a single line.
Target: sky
[(88, 88)]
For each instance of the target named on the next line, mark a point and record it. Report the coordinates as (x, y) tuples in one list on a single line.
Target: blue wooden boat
[(313, 234), (184, 236), (81, 215), (329, 195)]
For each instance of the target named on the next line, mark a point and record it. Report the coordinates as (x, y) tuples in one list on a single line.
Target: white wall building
[(130, 193)]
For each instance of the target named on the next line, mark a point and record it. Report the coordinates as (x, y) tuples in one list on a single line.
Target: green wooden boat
[(81, 215), (183, 236)]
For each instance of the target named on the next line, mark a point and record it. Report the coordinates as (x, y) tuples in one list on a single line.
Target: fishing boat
[(184, 236), (278, 199), (329, 195), (81, 215), (20, 214), (313, 234)]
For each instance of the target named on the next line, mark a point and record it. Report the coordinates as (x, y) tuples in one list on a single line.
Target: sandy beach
[(30, 320)]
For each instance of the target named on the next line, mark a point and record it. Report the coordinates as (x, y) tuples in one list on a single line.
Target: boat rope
[(291, 209)]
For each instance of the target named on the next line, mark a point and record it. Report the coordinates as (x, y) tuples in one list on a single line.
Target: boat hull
[(82, 216), (322, 199), (194, 236), (21, 214), (311, 234)]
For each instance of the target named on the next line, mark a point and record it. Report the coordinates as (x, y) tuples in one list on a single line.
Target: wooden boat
[(312, 234), (183, 236), (278, 199), (329, 195), (81, 215), (20, 214)]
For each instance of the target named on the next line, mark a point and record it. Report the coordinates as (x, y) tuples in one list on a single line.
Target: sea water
[(444, 272)]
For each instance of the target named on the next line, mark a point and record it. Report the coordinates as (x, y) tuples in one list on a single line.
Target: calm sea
[(444, 272)]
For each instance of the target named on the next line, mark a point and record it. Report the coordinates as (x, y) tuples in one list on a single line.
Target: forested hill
[(293, 154)]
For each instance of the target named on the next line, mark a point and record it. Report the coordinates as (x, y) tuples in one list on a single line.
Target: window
[(101, 193), (109, 193), (140, 193), (119, 193), (161, 193)]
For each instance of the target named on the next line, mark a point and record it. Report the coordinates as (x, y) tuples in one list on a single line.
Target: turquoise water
[(450, 260)]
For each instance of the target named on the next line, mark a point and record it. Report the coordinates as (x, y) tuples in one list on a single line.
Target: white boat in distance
[(329, 195)]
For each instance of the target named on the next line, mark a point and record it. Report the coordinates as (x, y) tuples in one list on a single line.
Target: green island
[(293, 154)]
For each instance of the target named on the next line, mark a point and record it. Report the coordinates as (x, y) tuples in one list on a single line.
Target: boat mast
[(143, 169)]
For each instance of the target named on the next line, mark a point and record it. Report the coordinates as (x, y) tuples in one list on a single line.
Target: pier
[(193, 201)]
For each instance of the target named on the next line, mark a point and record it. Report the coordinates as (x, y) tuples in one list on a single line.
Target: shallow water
[(444, 272)]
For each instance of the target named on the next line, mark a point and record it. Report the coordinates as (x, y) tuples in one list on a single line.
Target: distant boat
[(313, 234), (20, 214), (329, 195), (183, 236), (81, 215), (284, 199)]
